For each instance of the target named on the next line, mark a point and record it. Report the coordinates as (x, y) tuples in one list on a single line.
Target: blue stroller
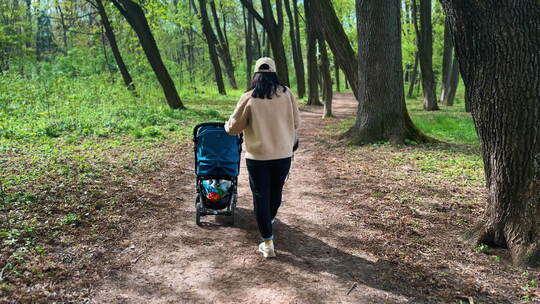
[(217, 165)]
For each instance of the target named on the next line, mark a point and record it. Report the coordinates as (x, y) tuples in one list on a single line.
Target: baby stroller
[(217, 165)]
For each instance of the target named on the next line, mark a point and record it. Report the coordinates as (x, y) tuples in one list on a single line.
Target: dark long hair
[(265, 84)]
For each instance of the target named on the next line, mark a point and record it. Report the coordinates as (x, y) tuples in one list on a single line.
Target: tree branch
[(253, 11)]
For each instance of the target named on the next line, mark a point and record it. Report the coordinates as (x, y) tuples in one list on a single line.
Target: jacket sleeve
[(240, 117), (296, 112)]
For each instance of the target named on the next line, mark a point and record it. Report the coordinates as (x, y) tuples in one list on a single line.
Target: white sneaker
[(267, 250)]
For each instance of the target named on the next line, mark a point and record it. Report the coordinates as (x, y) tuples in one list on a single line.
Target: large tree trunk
[(211, 42), (134, 15), (297, 58), (274, 33), (447, 62), (312, 67), (498, 48), (453, 79), (223, 47), (128, 80), (424, 38), (382, 114), (326, 79), (337, 39)]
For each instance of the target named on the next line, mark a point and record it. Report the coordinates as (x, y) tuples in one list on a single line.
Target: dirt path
[(353, 228), (220, 264)]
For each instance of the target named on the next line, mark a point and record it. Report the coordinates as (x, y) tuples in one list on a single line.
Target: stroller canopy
[(217, 153)]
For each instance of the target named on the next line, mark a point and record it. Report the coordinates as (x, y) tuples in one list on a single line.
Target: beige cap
[(265, 60)]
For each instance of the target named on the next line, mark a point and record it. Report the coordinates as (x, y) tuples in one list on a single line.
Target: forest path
[(319, 260)]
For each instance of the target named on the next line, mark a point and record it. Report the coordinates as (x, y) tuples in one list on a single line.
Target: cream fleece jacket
[(269, 125)]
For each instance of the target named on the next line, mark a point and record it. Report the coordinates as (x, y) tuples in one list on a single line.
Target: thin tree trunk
[(257, 40), (298, 64), (64, 29), (447, 62), (326, 79), (211, 42), (223, 47), (134, 15), (425, 50), (298, 41), (336, 67), (382, 114), (126, 76), (453, 79), (498, 48), (313, 73), (337, 39), (274, 31), (248, 30), (414, 77)]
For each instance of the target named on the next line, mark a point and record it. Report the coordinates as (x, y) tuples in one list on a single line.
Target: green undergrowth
[(456, 158)]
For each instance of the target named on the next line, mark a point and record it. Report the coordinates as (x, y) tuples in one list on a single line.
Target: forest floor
[(372, 224)]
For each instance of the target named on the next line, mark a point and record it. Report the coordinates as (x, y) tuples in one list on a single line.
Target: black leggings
[(266, 178)]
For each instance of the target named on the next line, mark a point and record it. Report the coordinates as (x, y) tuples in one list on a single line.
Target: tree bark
[(453, 79), (424, 38), (134, 15), (223, 47), (447, 62), (274, 33), (326, 79), (126, 76), (498, 48), (312, 67), (211, 42), (382, 114), (337, 39), (297, 58)]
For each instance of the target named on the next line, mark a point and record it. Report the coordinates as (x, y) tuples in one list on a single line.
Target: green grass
[(449, 124)]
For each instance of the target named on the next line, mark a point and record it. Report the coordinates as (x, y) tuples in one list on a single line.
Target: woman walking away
[(268, 115)]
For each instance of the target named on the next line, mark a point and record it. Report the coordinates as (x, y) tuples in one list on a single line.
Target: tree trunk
[(424, 38), (211, 42), (498, 48), (128, 80), (248, 30), (313, 73), (382, 114), (337, 39), (326, 79), (274, 33), (223, 47), (298, 41), (447, 62), (414, 77), (453, 79), (297, 59), (336, 67), (134, 15)]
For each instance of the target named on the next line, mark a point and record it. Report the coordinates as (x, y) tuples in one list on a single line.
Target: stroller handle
[(204, 124)]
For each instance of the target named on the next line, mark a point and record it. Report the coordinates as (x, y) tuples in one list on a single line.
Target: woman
[(268, 115)]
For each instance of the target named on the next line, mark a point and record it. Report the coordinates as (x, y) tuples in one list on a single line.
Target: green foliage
[(482, 248)]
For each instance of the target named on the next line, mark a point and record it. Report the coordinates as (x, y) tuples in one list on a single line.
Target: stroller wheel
[(233, 213), (198, 210)]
